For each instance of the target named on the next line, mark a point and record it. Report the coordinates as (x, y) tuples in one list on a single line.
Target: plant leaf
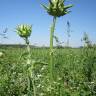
[(68, 6), (45, 7)]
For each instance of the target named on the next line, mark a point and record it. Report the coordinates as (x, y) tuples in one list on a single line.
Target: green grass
[(74, 72)]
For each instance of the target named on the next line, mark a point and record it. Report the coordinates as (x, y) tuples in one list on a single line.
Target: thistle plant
[(56, 8), (24, 31)]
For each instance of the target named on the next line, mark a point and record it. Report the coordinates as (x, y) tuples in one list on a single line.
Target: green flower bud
[(57, 8), (24, 30)]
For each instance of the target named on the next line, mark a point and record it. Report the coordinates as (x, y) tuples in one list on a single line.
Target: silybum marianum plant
[(25, 31), (56, 8)]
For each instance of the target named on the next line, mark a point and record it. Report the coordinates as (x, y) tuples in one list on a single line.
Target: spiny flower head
[(57, 8), (24, 30)]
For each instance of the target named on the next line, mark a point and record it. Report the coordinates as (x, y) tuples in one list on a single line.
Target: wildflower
[(39, 85), (24, 30), (92, 82), (43, 68), (42, 94), (1, 54), (57, 8), (39, 75), (28, 61)]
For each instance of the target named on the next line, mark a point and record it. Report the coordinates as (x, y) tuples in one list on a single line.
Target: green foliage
[(74, 72)]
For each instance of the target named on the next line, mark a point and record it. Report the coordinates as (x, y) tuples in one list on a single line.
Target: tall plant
[(24, 31), (56, 8)]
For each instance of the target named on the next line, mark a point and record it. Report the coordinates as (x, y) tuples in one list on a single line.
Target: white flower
[(1, 54), (39, 86), (28, 61), (39, 75)]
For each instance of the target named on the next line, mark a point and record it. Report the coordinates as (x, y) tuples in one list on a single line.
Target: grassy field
[(74, 72)]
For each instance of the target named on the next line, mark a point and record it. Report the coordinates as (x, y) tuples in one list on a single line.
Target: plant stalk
[(31, 75), (51, 65)]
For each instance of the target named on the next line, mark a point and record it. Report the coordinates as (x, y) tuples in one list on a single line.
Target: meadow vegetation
[(52, 71), (74, 72)]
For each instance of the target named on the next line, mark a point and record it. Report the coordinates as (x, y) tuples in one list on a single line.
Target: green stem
[(33, 83), (31, 75), (51, 66)]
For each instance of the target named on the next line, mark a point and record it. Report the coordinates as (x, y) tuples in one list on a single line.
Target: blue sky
[(14, 12)]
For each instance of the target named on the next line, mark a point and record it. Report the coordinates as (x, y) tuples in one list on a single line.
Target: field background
[(74, 71)]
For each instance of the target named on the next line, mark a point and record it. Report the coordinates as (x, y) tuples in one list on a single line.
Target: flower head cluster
[(24, 30), (57, 8)]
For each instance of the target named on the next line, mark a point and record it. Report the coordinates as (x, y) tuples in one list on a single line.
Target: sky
[(15, 12)]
